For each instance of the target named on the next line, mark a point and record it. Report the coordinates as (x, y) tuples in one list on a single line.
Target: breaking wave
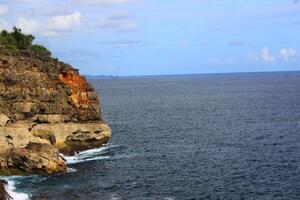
[(89, 155), (11, 189)]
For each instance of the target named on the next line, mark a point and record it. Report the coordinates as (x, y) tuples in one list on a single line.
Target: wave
[(89, 155), (11, 189), (71, 170), (84, 156)]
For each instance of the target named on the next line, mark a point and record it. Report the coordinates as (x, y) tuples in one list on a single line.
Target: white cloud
[(3, 9), (29, 1), (123, 43), (27, 25), (64, 22), (266, 56), (121, 14), (252, 56), (4, 25), (287, 53), (103, 2), (120, 21), (52, 33), (117, 24)]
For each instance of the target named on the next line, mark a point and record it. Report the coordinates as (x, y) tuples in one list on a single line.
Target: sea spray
[(84, 156), (88, 155), (11, 189)]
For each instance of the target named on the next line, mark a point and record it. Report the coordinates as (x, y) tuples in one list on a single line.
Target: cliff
[(46, 108)]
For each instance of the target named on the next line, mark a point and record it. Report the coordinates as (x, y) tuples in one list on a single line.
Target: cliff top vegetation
[(16, 42)]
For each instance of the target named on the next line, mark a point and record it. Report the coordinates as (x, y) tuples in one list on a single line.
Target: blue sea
[(187, 137)]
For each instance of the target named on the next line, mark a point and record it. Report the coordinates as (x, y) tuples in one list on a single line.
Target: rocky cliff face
[(3, 193), (46, 108), (30, 86)]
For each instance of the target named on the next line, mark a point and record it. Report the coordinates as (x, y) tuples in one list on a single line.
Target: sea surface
[(221, 136)]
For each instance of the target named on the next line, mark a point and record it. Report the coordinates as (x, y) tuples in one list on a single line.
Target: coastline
[(9, 182), (8, 190)]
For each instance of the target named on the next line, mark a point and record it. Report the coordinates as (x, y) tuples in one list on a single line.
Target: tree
[(16, 42), (23, 40)]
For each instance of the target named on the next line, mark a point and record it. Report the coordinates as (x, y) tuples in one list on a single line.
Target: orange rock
[(78, 86)]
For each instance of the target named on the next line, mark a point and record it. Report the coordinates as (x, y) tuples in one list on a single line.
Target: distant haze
[(145, 37)]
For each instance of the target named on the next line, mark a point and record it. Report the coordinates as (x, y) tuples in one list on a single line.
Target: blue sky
[(149, 37)]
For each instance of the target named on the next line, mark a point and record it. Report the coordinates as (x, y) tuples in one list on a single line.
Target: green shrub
[(8, 41), (16, 42), (40, 49), (23, 40)]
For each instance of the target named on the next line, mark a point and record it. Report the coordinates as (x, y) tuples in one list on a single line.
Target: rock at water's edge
[(3, 193), (70, 138), (35, 158)]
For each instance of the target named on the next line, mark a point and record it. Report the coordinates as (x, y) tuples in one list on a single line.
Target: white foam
[(11, 190), (115, 196), (71, 170), (88, 155), (74, 159)]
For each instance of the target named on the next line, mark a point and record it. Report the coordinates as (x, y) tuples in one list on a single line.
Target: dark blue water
[(234, 136)]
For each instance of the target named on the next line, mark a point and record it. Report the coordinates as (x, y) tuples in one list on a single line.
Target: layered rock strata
[(46, 108)]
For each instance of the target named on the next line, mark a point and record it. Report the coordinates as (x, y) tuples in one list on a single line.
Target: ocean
[(187, 137)]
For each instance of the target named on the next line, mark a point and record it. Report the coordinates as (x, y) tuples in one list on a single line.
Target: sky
[(155, 37)]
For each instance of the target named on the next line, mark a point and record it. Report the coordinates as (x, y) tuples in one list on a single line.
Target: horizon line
[(189, 74)]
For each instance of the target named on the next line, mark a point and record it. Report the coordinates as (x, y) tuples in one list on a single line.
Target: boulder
[(22, 153), (35, 158)]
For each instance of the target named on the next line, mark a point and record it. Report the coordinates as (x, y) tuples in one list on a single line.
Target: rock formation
[(3, 193), (46, 108)]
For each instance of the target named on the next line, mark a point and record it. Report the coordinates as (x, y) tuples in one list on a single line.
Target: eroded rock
[(70, 138), (51, 118), (35, 158), (17, 135), (46, 108), (29, 86)]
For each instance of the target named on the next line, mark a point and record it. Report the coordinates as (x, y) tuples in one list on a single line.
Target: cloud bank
[(3, 9), (287, 53), (103, 2), (266, 56), (65, 22), (27, 25)]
